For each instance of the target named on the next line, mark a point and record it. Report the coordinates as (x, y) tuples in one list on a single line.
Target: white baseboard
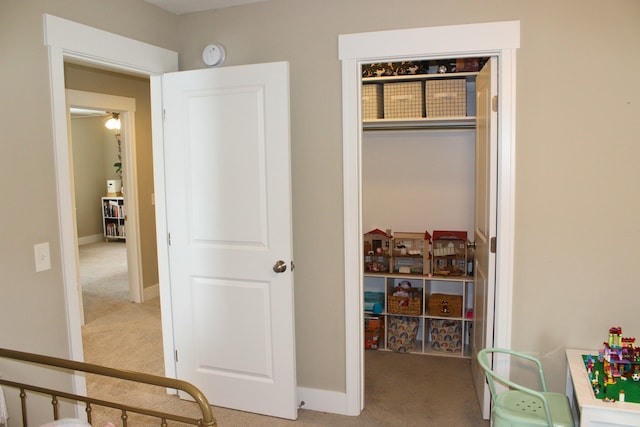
[(85, 240), (151, 292), (323, 400)]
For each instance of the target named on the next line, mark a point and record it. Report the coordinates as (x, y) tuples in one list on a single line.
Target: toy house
[(377, 251), (450, 253), (411, 253)]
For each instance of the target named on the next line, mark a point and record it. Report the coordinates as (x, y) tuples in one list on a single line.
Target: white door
[(228, 198), (485, 224)]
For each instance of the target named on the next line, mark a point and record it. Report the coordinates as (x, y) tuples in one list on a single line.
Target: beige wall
[(94, 150), (92, 80), (36, 301), (576, 181), (418, 181), (578, 103)]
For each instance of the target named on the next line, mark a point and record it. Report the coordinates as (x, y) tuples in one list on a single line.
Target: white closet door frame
[(500, 39)]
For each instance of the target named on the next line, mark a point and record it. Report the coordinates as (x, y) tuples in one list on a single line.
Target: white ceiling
[(187, 6)]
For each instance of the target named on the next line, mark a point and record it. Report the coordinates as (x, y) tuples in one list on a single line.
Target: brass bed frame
[(74, 366)]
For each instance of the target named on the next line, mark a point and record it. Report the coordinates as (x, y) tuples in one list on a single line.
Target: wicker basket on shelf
[(410, 305), (445, 305)]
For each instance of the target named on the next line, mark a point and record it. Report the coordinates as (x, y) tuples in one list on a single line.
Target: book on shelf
[(113, 209)]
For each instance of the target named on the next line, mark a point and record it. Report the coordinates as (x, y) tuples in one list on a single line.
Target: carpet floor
[(400, 389)]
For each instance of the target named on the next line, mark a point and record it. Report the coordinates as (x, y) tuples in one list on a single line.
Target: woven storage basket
[(445, 305), (405, 305)]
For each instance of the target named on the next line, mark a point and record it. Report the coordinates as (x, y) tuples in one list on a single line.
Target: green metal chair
[(522, 406)]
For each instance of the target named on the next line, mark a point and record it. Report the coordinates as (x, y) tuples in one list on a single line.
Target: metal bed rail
[(70, 365)]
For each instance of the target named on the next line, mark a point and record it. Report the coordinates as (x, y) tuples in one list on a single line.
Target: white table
[(589, 411)]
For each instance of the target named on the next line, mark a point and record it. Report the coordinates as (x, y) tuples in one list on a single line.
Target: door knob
[(280, 266)]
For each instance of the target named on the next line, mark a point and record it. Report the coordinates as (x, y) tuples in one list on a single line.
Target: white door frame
[(127, 108), (499, 39), (67, 40)]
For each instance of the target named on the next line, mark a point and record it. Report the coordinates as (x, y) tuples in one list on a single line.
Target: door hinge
[(493, 245), (169, 239), (164, 115), (494, 104), (176, 356)]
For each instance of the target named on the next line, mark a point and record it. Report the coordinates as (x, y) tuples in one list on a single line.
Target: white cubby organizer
[(463, 286)]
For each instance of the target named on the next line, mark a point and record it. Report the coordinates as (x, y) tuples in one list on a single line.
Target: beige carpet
[(103, 275), (401, 389)]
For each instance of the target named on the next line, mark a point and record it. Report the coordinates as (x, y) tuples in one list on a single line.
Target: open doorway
[(499, 39), (418, 184), (100, 206), (106, 174), (111, 248), (114, 157), (116, 268)]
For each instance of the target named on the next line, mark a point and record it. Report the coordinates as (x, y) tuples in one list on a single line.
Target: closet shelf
[(457, 123), (469, 76)]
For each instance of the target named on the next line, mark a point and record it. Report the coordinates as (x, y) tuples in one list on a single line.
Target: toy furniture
[(520, 405)]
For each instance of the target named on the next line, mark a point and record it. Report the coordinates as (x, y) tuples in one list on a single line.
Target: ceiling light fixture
[(114, 122)]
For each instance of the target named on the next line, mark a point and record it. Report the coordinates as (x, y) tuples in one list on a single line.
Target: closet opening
[(498, 40), (418, 188)]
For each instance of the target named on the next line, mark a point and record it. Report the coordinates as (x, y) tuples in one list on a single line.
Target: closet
[(418, 183)]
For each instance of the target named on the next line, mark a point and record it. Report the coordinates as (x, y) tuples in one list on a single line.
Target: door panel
[(228, 195), (485, 224), (249, 356), (243, 217)]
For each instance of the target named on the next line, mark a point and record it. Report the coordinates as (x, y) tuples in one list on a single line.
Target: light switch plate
[(43, 258)]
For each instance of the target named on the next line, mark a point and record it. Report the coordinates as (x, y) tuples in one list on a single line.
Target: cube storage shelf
[(113, 218), (438, 333)]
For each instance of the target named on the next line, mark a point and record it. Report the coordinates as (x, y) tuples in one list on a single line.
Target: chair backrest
[(483, 360), (492, 376)]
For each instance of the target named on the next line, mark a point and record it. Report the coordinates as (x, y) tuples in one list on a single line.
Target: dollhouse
[(377, 251)]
